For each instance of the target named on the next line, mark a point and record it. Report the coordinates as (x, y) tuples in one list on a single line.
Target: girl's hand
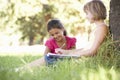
[(59, 51)]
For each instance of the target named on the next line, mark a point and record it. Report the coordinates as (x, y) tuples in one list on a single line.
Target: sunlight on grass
[(22, 50)]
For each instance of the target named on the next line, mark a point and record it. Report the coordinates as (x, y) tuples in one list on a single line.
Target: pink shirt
[(52, 45)]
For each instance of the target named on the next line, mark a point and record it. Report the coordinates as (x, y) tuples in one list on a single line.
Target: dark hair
[(54, 23)]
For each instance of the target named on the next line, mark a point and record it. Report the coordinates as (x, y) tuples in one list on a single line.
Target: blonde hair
[(96, 8)]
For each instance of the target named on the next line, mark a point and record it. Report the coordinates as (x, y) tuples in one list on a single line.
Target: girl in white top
[(96, 13)]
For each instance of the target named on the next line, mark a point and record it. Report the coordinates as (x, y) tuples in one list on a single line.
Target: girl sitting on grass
[(95, 13)]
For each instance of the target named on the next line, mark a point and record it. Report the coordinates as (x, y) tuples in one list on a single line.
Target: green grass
[(83, 69), (104, 66)]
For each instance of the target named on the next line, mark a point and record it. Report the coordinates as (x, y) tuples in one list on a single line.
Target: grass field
[(104, 66)]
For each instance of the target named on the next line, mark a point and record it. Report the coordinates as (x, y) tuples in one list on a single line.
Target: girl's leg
[(37, 63)]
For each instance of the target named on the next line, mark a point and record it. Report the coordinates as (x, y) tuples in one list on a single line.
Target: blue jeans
[(50, 60)]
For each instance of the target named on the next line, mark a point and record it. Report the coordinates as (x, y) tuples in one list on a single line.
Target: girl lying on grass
[(58, 39)]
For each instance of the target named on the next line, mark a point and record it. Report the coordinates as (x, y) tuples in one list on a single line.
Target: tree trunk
[(114, 17), (31, 40)]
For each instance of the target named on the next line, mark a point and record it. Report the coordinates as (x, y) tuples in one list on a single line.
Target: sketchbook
[(62, 55)]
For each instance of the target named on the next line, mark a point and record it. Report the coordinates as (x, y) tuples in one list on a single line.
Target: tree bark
[(114, 21), (31, 40)]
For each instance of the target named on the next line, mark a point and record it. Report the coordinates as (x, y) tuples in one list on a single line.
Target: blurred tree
[(7, 14), (115, 21), (31, 26), (70, 13), (29, 17), (13, 10)]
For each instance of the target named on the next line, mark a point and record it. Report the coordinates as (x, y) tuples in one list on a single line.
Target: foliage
[(14, 15), (34, 26), (31, 27), (7, 15)]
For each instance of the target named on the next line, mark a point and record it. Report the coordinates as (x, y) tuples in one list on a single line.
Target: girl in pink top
[(58, 39), (52, 44)]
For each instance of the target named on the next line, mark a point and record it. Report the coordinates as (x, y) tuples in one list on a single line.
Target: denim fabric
[(50, 60)]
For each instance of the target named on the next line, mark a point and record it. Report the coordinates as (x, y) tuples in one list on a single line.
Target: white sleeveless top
[(91, 39)]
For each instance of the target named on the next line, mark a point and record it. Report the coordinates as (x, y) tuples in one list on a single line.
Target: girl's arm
[(47, 50), (99, 37)]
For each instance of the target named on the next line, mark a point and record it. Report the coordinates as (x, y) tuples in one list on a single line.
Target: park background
[(23, 34), (23, 23)]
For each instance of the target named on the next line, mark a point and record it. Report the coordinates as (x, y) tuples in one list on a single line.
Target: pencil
[(62, 45)]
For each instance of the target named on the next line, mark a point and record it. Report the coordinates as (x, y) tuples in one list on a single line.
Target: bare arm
[(99, 37), (47, 50), (58, 50), (100, 34)]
